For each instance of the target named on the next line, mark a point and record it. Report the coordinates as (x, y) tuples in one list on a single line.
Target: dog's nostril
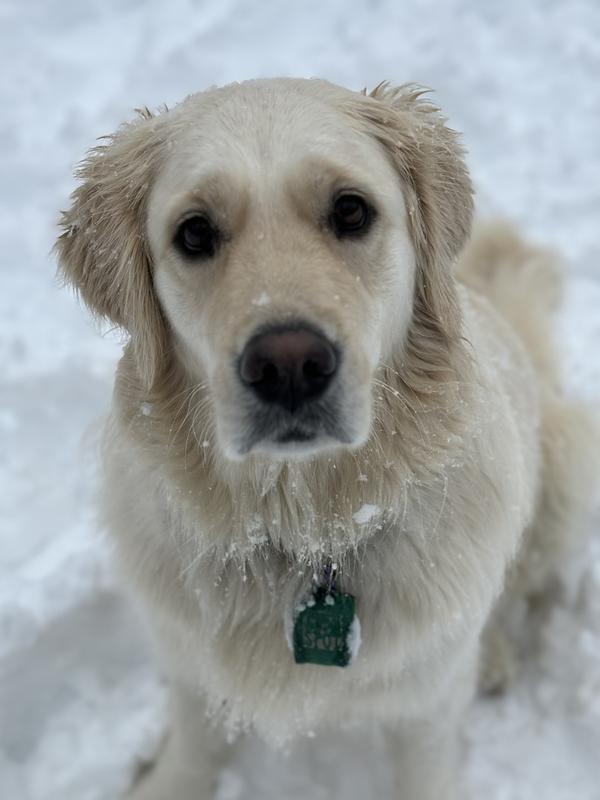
[(269, 372), (288, 366), (311, 369), (320, 365)]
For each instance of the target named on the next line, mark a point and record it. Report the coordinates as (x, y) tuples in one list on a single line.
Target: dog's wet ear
[(103, 252), (429, 159)]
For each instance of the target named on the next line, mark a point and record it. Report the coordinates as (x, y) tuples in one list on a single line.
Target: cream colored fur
[(461, 437)]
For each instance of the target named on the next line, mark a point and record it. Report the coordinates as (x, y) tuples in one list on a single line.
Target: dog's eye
[(196, 237), (351, 215)]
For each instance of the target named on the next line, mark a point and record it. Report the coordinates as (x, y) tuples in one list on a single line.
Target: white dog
[(315, 424)]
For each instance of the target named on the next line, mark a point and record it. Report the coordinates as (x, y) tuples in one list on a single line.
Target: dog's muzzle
[(289, 373)]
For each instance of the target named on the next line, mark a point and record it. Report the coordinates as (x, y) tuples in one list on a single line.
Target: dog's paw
[(162, 780)]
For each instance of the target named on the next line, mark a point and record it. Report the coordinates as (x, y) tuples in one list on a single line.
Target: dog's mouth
[(282, 434), (296, 434)]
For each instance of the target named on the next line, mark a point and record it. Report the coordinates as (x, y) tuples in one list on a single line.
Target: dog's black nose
[(288, 366)]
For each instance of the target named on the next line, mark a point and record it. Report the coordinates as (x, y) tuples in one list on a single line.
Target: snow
[(365, 513), (80, 699), (262, 300)]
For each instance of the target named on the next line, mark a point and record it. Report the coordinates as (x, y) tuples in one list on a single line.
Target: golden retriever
[(322, 402)]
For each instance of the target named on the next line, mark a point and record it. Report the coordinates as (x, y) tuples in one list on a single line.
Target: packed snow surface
[(80, 699)]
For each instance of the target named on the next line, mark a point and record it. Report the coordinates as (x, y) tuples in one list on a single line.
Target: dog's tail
[(524, 283)]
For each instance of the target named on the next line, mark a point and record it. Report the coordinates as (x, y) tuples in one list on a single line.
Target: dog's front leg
[(426, 760), (188, 765)]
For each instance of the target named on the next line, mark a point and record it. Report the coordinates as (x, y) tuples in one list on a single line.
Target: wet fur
[(463, 460)]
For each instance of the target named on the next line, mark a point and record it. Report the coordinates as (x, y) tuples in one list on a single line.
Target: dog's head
[(280, 241)]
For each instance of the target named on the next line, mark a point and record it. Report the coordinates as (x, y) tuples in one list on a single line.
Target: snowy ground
[(79, 698)]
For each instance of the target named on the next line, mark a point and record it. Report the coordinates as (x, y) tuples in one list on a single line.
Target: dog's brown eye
[(196, 237), (351, 215)]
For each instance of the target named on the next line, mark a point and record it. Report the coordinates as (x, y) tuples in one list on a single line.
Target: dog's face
[(283, 263), (280, 237)]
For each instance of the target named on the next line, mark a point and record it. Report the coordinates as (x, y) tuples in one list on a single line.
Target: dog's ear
[(103, 252), (430, 161)]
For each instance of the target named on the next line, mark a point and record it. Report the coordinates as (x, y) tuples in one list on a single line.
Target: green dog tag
[(326, 630)]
